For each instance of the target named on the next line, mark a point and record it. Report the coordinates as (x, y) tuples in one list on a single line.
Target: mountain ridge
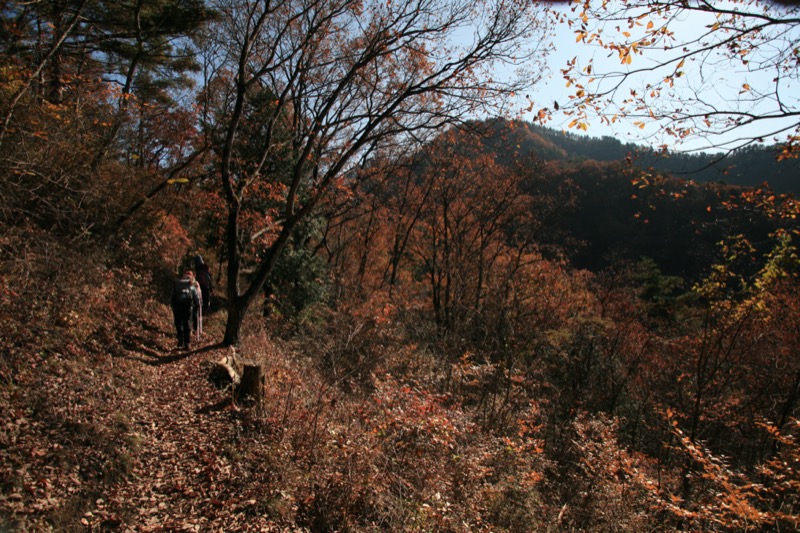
[(749, 167)]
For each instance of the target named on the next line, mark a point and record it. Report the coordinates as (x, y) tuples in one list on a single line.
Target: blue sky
[(721, 82)]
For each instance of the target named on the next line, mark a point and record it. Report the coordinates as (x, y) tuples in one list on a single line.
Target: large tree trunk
[(239, 304), (233, 326)]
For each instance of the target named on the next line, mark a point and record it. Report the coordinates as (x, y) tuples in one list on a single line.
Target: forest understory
[(369, 421), (465, 323)]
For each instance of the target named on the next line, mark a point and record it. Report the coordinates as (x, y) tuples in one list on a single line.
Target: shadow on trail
[(219, 406), (158, 360), (141, 344)]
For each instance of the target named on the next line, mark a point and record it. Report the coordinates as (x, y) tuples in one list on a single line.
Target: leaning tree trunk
[(239, 304)]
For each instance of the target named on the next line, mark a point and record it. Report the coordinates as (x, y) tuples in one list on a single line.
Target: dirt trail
[(188, 473)]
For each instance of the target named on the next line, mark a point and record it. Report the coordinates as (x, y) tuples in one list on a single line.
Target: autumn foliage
[(456, 335)]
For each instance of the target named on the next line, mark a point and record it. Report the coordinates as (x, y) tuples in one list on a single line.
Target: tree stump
[(223, 374), (251, 383)]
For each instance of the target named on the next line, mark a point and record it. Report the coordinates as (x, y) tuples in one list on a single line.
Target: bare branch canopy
[(346, 78)]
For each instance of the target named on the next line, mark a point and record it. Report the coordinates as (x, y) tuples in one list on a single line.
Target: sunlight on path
[(184, 475)]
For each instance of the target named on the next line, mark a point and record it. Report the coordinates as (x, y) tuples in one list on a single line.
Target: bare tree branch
[(678, 60)]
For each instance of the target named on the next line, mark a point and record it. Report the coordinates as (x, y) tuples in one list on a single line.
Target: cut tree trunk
[(224, 374), (251, 384), (245, 378)]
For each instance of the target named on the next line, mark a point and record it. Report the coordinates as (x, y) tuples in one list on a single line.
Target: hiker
[(184, 300), (204, 279), (197, 310)]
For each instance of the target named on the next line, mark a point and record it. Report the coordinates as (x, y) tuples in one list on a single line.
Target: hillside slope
[(749, 167), (109, 428)]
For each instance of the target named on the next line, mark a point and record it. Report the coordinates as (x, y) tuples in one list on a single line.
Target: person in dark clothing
[(203, 275), (183, 301)]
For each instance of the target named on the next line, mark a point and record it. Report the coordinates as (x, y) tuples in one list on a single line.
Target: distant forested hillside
[(598, 211), (749, 167)]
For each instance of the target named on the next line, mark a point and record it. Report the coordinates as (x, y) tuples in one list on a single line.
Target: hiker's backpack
[(183, 296)]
